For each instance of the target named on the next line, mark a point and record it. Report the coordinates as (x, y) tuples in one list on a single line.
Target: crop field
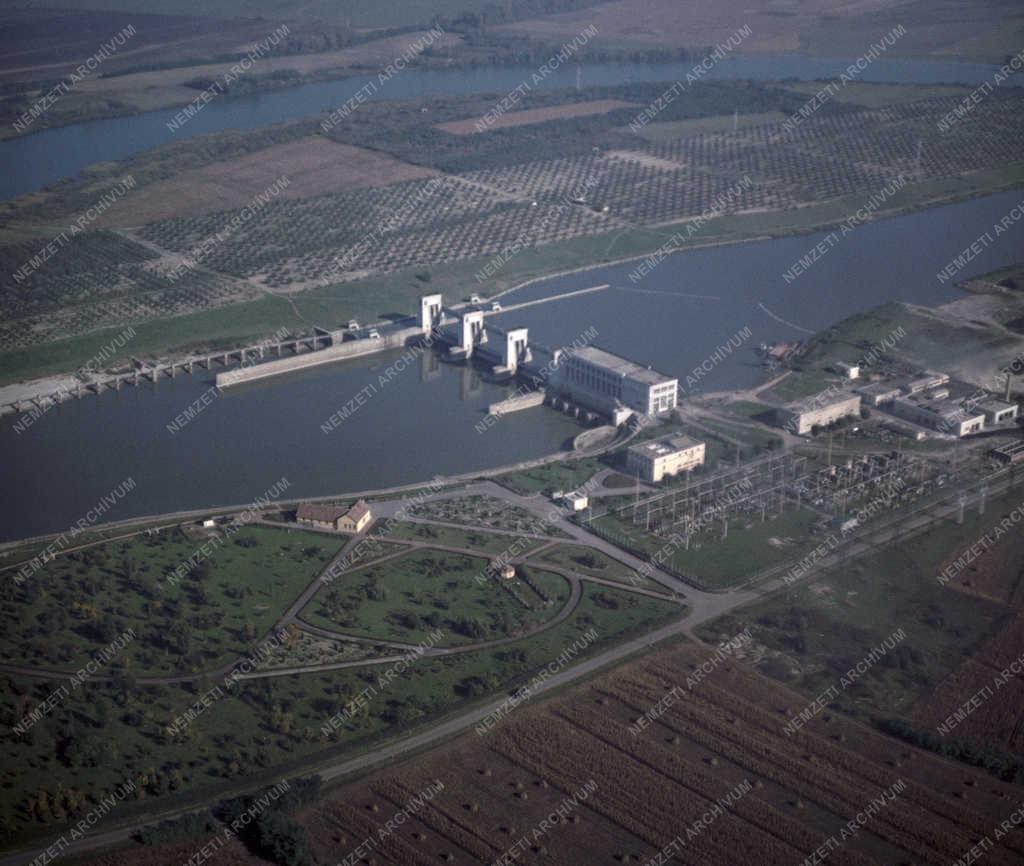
[(88, 598), (323, 240), (998, 720), (99, 279), (313, 166), (59, 39), (406, 597), (635, 791), (535, 115), (843, 154)]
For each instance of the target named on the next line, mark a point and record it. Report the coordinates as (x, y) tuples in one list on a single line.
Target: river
[(39, 159), (418, 419)]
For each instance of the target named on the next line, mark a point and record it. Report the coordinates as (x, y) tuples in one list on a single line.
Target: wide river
[(421, 418)]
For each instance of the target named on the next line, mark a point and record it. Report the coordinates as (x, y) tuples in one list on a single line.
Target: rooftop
[(319, 513), (622, 366), (664, 447), (821, 400), (995, 405)]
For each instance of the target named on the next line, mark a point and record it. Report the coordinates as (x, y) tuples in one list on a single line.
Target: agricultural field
[(625, 794), (258, 726), (100, 279), (407, 598), (659, 131), (73, 607), (357, 249), (312, 167), (533, 115), (817, 27), (998, 722)]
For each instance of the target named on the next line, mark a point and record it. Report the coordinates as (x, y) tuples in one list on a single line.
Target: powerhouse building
[(609, 384), (652, 461)]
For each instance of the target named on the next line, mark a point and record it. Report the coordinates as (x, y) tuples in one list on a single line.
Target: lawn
[(266, 726), (73, 607), (407, 598), (492, 543), (586, 560), (713, 563), (565, 475)]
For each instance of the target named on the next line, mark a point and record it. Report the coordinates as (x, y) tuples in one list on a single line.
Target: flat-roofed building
[(577, 501), (847, 371), (821, 410), (653, 460), (939, 415), (925, 382), (606, 382), (998, 411), (878, 393)]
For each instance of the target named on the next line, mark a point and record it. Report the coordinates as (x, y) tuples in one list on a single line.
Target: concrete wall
[(339, 352)]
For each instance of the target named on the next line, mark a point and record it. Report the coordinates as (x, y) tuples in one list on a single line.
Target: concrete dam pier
[(461, 327)]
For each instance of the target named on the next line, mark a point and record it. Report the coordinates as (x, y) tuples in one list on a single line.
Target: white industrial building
[(998, 411), (652, 461), (610, 384), (877, 393), (939, 415), (818, 411)]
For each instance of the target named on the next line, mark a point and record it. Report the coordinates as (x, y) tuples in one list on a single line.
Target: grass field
[(263, 726), (406, 598), (595, 563), (565, 475), (77, 604), (491, 543), (821, 628), (716, 563)]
